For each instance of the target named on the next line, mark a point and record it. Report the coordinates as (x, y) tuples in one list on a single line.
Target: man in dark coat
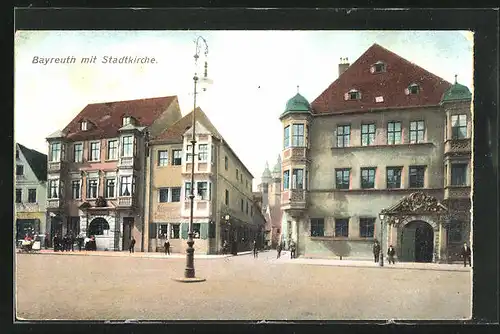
[(376, 251), (255, 251), (132, 245), (278, 249), (390, 254), (466, 255), (167, 247), (292, 250)]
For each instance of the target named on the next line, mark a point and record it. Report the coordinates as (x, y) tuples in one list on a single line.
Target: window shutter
[(203, 230), (407, 91), (346, 96), (184, 230)]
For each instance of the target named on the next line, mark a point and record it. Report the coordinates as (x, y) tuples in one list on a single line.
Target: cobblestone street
[(237, 288)]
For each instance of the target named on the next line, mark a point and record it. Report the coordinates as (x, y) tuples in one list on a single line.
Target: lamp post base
[(189, 280)]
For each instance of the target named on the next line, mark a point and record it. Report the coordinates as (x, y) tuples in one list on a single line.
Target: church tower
[(266, 179)]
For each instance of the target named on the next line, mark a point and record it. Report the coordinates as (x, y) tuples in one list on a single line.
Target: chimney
[(343, 65)]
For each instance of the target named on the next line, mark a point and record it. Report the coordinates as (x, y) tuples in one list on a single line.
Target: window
[(162, 230), (110, 188), (211, 229), (226, 198), (126, 185), (19, 170), (417, 129), (298, 179), (417, 176), (241, 205), (212, 153), (459, 174), (247, 209), (202, 188), (367, 134), (92, 188), (187, 190), (162, 158), (112, 149), (202, 152), (237, 174), (455, 232), (393, 133), (286, 137), (189, 153), (394, 177), (83, 125), (368, 178), (378, 67), (128, 146), (458, 126), (317, 227), (95, 150), (342, 178), (17, 154), (342, 227), (78, 152), (19, 196), (306, 181), (413, 89), (176, 194), (53, 189), (366, 227), (286, 179), (31, 195), (343, 135), (352, 95), (163, 195), (175, 231), (176, 157), (55, 152), (196, 230), (298, 135), (251, 211), (226, 163), (241, 178), (126, 120), (75, 189)]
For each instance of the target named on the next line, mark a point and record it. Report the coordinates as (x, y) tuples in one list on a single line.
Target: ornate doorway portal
[(417, 242)]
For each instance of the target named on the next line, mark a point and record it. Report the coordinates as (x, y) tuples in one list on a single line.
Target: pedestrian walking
[(71, 241), (466, 255), (278, 250), (376, 251), (255, 250), (390, 254), (292, 250), (166, 245), (132, 244)]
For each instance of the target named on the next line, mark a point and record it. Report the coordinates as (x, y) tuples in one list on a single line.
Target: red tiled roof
[(106, 118), (391, 84)]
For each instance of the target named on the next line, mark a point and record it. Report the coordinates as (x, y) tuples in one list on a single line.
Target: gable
[(33, 162)]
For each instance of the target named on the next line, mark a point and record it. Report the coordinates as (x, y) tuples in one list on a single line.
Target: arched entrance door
[(98, 226), (417, 242)]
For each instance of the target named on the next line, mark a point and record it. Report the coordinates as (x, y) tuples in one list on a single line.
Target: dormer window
[(83, 125), (352, 95), (378, 67), (412, 89), (126, 120)]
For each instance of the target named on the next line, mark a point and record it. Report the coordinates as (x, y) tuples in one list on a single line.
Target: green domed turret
[(297, 105), (457, 92), (266, 175)]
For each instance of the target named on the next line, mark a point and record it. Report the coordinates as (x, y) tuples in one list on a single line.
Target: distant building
[(223, 207), (270, 190), (31, 192), (386, 136), (96, 169)]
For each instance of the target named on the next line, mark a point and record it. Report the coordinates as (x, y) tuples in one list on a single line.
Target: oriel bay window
[(459, 174), (342, 227), (286, 137), (343, 135), (417, 176), (417, 130), (203, 152), (298, 179), (162, 158), (92, 188), (78, 152), (55, 152), (317, 227), (298, 135), (342, 178), (458, 126), (393, 133), (202, 189), (112, 150), (286, 179), (128, 146), (76, 189), (394, 177), (53, 188), (126, 185), (368, 178), (110, 188), (187, 190), (367, 134), (95, 151), (366, 227)]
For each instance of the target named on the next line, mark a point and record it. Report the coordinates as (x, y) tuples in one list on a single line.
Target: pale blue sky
[(47, 97)]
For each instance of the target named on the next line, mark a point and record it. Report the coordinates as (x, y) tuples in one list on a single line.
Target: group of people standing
[(391, 252), (67, 243), (292, 247)]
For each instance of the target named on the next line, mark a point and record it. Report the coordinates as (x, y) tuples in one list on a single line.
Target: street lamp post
[(381, 260), (189, 272)]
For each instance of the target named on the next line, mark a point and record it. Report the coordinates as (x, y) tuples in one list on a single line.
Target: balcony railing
[(457, 146), (54, 166), (294, 198), (295, 153), (457, 192), (126, 202), (126, 162)]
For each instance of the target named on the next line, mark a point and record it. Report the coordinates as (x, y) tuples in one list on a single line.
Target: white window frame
[(203, 154), (131, 190), (129, 154), (126, 120), (79, 195), (89, 192), (80, 157), (99, 151), (116, 148), (168, 195), (55, 157), (56, 187), (106, 179), (84, 125)]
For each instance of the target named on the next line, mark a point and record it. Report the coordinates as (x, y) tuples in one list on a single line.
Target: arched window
[(353, 94), (412, 89), (98, 226), (378, 67)]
